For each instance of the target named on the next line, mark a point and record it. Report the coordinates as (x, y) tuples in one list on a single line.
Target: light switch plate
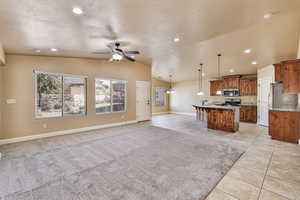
[(11, 101)]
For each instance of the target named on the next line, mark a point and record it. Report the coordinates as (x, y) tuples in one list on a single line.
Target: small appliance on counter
[(231, 92), (280, 100)]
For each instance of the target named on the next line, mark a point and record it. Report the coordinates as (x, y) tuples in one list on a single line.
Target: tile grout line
[(261, 187)]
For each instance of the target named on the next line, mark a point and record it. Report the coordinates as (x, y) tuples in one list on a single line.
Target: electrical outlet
[(45, 126)]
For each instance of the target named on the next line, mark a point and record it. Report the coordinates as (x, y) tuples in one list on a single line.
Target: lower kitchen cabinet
[(248, 114), (284, 126)]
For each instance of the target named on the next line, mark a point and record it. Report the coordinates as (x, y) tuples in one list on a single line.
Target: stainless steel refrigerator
[(282, 100)]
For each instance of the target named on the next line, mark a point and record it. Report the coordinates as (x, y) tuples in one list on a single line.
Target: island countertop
[(217, 107)]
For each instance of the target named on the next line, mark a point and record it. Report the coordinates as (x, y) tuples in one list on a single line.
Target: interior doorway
[(143, 100), (264, 100)]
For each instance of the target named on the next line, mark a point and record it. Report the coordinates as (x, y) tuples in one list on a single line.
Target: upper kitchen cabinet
[(291, 77), (215, 86), (288, 72), (248, 86), (278, 72), (232, 82)]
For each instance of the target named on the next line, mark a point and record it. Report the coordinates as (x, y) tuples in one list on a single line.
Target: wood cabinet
[(232, 82), (278, 72), (248, 114), (291, 78), (215, 86), (288, 72), (222, 119), (284, 126), (248, 87)]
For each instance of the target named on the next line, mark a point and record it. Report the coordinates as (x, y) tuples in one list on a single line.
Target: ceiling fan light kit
[(118, 54)]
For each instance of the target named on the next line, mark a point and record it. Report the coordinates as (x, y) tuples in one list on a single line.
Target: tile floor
[(269, 169)]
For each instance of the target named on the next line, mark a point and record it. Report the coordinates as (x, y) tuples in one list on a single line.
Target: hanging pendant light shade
[(219, 92), (170, 90), (200, 91)]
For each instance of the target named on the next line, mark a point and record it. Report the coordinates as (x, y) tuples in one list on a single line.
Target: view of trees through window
[(58, 95), (110, 96), (103, 101), (118, 96), (74, 96)]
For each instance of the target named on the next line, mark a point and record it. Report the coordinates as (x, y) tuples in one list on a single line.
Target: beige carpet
[(136, 162)]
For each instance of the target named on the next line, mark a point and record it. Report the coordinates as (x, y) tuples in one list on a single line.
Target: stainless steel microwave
[(231, 92)]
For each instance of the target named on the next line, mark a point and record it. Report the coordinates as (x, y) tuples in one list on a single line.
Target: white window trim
[(62, 85), (111, 99)]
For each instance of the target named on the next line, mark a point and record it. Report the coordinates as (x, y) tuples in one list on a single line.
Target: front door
[(264, 100), (143, 103)]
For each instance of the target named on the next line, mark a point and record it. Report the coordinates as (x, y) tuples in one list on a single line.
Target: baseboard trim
[(161, 113), (184, 113), (64, 132)]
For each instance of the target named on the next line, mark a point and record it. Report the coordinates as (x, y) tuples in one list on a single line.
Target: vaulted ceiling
[(205, 28)]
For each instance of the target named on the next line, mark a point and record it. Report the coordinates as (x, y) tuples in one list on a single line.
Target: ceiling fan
[(117, 54)]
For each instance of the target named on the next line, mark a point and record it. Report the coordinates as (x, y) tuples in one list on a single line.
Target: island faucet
[(204, 102)]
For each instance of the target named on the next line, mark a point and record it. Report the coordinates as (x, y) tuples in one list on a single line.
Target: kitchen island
[(224, 118)]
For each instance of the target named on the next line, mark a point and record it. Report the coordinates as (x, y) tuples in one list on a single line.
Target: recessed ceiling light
[(231, 70), (247, 51), (268, 15), (176, 39), (254, 63), (77, 11), (53, 49), (37, 51)]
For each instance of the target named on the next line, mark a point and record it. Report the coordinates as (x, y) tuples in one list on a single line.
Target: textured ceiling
[(205, 27)]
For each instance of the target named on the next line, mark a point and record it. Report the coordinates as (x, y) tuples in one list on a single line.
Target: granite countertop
[(218, 107), (286, 109), (248, 104)]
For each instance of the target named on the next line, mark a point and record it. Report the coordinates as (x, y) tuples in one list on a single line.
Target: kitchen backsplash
[(221, 99)]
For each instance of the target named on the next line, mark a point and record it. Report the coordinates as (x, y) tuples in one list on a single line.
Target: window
[(160, 96), (59, 95), (74, 95), (110, 96), (103, 100)]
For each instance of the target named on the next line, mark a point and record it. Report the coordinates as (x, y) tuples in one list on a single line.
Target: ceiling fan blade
[(129, 58), (132, 52), (119, 50)]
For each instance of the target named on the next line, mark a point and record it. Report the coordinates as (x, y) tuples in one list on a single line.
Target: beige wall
[(2, 55), (164, 84), (1, 101), (186, 95), (19, 80)]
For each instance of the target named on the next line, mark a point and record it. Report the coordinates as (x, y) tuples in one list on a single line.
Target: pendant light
[(200, 92), (170, 90), (219, 92)]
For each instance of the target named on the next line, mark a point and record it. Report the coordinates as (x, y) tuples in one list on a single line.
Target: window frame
[(62, 94), (111, 99), (164, 97)]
